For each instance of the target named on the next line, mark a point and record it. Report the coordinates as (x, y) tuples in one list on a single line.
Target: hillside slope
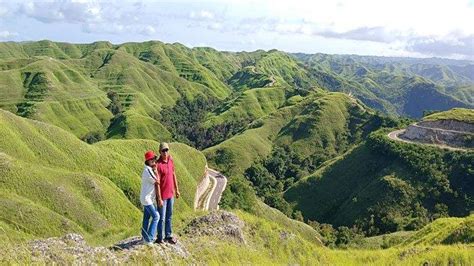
[(403, 86), (386, 186), (54, 183)]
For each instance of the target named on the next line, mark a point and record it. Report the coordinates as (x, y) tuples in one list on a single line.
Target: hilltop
[(458, 114), (100, 90)]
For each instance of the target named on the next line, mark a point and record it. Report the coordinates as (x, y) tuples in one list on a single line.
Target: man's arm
[(176, 185)]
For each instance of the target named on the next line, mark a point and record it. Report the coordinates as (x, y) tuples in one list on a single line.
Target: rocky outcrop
[(444, 132), (69, 248), (73, 249), (224, 224), (448, 124)]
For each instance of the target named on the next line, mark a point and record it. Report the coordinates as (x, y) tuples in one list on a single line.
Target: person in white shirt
[(148, 197)]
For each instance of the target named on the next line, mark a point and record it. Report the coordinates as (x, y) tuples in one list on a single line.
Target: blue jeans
[(165, 216), (149, 229)]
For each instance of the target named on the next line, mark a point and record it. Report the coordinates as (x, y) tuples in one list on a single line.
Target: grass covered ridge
[(54, 183), (459, 114)]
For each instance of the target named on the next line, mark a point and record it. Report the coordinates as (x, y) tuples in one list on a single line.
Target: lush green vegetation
[(395, 85), (385, 186), (266, 119), (459, 114)]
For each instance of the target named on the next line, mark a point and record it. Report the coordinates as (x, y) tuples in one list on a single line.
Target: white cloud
[(436, 28), (93, 16), (66, 11), (452, 46), (117, 28), (202, 15), (7, 34)]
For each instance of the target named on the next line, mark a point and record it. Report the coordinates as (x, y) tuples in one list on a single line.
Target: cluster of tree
[(440, 184), (340, 237), (185, 121), (116, 108), (93, 137), (238, 194), (274, 175)]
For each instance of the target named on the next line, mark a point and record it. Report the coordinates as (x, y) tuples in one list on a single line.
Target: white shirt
[(147, 193)]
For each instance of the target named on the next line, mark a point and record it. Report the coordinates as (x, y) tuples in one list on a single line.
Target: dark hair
[(147, 162)]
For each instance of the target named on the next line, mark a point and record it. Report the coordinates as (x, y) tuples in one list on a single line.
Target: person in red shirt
[(169, 189)]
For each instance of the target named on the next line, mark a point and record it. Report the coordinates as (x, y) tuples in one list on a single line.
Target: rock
[(286, 235), (222, 224), (72, 248), (134, 245), (445, 132)]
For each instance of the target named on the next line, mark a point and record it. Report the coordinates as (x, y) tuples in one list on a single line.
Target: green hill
[(395, 85), (444, 231), (459, 114), (294, 132), (386, 186), (53, 183)]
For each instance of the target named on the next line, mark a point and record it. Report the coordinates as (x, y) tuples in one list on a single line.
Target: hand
[(177, 194), (160, 203)]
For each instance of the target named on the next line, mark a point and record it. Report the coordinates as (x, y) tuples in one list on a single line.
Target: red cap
[(149, 155)]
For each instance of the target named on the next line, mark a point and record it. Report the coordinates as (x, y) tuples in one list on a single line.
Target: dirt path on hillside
[(394, 135)]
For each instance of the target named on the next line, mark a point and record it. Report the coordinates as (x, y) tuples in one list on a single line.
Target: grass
[(249, 106), (460, 114), (60, 184), (322, 123), (447, 231), (335, 195), (268, 242), (76, 78), (252, 144)]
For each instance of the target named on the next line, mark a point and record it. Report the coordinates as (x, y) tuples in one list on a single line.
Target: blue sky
[(417, 28)]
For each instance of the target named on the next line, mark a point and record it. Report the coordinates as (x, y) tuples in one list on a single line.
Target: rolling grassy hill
[(67, 84), (396, 85), (320, 125), (54, 183), (267, 119), (386, 186)]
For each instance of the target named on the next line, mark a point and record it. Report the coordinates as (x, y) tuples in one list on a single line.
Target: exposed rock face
[(448, 125), (446, 132), (223, 224)]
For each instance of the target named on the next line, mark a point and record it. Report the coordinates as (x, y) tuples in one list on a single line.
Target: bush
[(93, 137), (238, 195)]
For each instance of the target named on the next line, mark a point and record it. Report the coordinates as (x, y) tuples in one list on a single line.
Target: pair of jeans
[(165, 217), (149, 229)]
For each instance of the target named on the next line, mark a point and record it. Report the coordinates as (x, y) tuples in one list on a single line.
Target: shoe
[(171, 240), (150, 244), (159, 241)]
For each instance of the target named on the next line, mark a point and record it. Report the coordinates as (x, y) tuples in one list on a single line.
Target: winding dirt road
[(394, 135)]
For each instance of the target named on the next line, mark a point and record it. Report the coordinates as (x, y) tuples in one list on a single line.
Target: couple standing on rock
[(160, 186)]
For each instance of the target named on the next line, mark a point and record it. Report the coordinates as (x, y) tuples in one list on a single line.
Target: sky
[(415, 28)]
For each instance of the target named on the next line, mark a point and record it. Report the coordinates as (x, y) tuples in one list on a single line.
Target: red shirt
[(166, 172)]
